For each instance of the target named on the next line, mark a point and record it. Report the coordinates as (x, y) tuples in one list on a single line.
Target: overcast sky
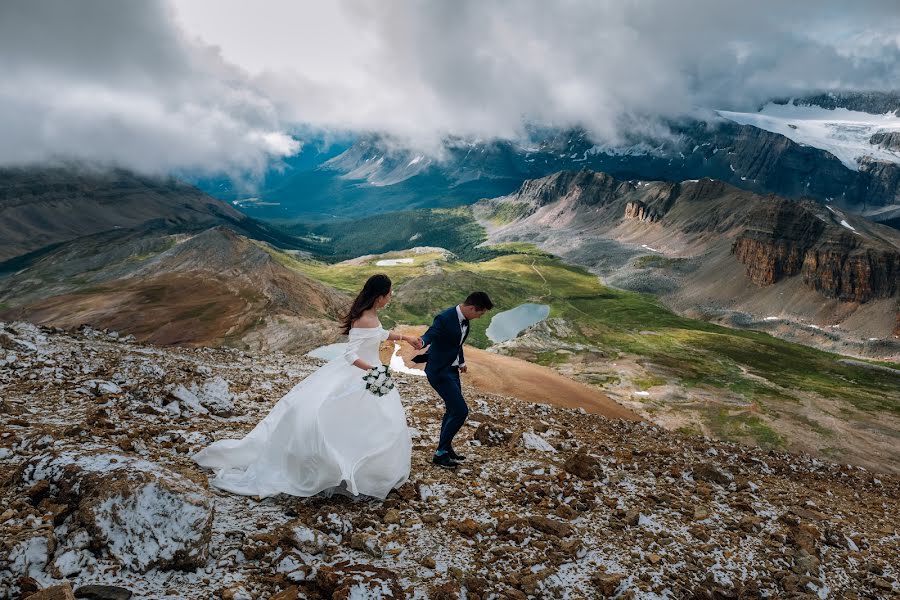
[(223, 85)]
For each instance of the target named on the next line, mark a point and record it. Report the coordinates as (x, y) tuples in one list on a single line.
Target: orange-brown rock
[(768, 261), (638, 211), (785, 238)]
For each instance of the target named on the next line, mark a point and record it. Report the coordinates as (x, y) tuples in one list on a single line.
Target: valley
[(639, 334), (808, 273), (682, 302), (687, 374)]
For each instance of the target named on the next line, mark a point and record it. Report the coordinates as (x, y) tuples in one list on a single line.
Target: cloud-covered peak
[(217, 85)]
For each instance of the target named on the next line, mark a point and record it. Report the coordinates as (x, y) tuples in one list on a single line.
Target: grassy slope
[(451, 228), (694, 352)]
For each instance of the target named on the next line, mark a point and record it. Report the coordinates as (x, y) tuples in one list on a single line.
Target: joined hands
[(415, 342)]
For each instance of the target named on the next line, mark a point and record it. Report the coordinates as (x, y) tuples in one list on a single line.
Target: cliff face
[(591, 188), (838, 255), (767, 260), (883, 179), (638, 211), (850, 275), (790, 238)]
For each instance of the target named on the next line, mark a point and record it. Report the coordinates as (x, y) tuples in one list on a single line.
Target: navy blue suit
[(443, 339)]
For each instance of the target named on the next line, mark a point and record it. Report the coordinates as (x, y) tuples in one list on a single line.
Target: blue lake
[(510, 323)]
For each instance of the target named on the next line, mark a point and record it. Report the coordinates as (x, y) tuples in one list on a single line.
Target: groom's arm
[(435, 330)]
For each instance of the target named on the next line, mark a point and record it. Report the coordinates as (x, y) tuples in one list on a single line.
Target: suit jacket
[(443, 340)]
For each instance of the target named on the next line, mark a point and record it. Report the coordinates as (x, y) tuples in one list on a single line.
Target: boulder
[(103, 592), (583, 465), (56, 592), (712, 473), (492, 435), (142, 514), (24, 556), (213, 397)]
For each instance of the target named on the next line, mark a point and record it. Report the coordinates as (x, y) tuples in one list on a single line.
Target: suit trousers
[(449, 387)]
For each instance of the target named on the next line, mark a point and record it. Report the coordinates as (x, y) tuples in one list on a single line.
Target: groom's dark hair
[(479, 300)]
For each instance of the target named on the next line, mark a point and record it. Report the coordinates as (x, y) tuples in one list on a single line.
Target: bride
[(328, 434)]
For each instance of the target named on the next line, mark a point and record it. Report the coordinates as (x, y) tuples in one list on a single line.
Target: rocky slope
[(99, 489), (709, 232), (876, 103), (41, 207), (152, 258), (209, 288)]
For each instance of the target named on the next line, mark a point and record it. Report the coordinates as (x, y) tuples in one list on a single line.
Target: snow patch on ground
[(536, 442), (399, 366), (393, 262)]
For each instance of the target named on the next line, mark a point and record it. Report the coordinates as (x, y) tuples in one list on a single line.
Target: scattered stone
[(550, 526), (533, 441), (467, 527), (56, 592), (710, 472), (103, 592), (366, 543), (607, 585), (492, 435), (391, 516), (583, 465)]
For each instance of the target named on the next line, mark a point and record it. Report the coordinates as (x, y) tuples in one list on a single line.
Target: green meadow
[(695, 354)]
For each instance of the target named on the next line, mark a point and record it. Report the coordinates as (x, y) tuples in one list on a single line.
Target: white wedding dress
[(327, 435)]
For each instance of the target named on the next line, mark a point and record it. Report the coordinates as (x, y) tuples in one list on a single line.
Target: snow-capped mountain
[(849, 135), (843, 149)]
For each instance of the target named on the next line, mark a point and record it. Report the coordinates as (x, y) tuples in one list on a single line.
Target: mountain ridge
[(837, 255)]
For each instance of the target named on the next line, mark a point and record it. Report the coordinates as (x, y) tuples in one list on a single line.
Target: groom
[(445, 360)]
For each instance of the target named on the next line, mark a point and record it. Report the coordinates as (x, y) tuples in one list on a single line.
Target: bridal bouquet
[(378, 380)]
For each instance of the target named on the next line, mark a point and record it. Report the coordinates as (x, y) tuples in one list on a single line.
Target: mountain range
[(712, 250), (222, 278), (153, 257), (163, 261), (843, 152)]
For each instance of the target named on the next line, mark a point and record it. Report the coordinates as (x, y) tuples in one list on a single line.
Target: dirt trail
[(503, 375)]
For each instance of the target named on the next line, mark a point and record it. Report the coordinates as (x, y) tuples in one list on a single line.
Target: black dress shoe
[(457, 457), (444, 461)]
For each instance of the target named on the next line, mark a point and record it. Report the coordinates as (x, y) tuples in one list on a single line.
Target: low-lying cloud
[(117, 83), (162, 87)]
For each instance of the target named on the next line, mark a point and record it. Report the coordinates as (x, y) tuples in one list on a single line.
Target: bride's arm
[(403, 338), (351, 354)]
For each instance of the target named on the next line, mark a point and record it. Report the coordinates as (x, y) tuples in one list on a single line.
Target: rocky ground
[(98, 489)]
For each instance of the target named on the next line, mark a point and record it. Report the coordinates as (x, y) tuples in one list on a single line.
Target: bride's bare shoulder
[(366, 322)]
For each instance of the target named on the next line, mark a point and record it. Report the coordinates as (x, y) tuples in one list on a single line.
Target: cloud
[(118, 83), (477, 68), (217, 85)]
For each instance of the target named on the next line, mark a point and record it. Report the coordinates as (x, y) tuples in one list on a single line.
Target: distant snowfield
[(394, 262), (844, 133)]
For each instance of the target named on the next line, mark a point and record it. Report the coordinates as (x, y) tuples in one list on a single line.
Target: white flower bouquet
[(378, 380)]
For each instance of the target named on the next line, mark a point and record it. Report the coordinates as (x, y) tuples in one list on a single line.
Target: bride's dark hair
[(376, 286)]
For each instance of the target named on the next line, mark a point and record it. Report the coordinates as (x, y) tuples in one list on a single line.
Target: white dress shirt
[(463, 329)]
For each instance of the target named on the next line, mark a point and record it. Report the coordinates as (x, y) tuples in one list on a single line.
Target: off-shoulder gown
[(327, 435)]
